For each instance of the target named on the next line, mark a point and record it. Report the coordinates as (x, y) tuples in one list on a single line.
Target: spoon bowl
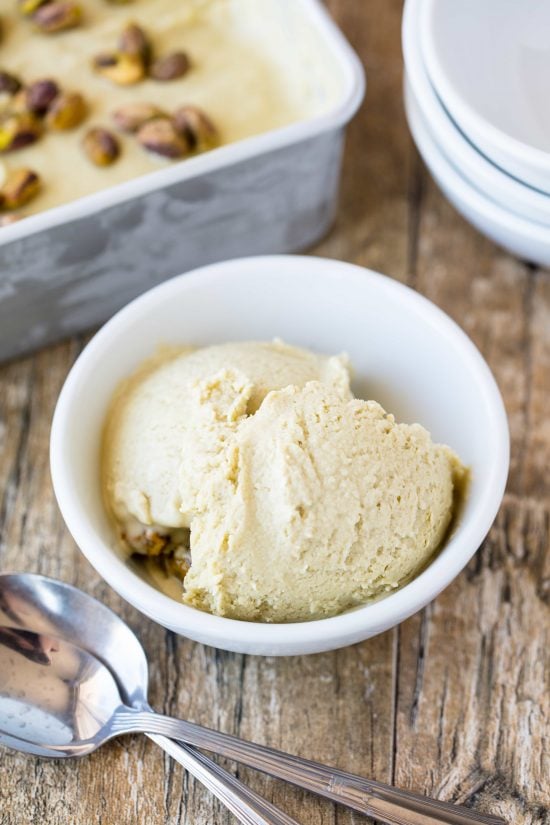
[(36, 612), (54, 697), (46, 609)]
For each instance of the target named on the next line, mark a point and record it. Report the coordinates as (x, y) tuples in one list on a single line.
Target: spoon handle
[(247, 806), (376, 799)]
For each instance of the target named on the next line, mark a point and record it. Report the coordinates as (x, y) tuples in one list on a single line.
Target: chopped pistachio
[(67, 111), (123, 69), (196, 127), (101, 146), (177, 566), (20, 187), (57, 16), (28, 7), (134, 41), (40, 95), (132, 116), (18, 130), (170, 67), (160, 136), (17, 104), (9, 84)]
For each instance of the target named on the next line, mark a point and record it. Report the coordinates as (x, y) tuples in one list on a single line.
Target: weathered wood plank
[(455, 701), (473, 681)]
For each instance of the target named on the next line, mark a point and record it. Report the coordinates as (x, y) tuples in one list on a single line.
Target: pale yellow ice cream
[(313, 505), (301, 501), (250, 73), (146, 426)]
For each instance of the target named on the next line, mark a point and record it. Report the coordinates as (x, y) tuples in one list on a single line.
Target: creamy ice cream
[(150, 414), (249, 74), (300, 500)]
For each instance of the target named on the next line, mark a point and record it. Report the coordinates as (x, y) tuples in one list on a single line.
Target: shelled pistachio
[(18, 130), (132, 116), (122, 69), (134, 41), (101, 146), (196, 127), (20, 186), (40, 95), (28, 7), (170, 67), (57, 16), (161, 137), (67, 111), (9, 83)]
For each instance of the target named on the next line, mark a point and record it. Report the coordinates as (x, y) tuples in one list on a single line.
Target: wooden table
[(455, 701)]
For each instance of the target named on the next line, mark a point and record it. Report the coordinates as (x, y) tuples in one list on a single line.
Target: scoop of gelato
[(249, 471), (143, 439), (314, 504)]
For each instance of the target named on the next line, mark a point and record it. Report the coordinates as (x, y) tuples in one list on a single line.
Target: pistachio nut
[(170, 67), (177, 566), (132, 116), (9, 84), (28, 7), (153, 544), (120, 68), (17, 103), (196, 127), (160, 136), (135, 42), (104, 60), (40, 95), (101, 146), (57, 16), (18, 130), (67, 111), (20, 187)]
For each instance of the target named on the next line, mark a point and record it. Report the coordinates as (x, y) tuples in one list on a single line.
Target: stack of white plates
[(477, 95)]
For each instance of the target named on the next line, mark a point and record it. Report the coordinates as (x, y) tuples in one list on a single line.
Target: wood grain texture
[(455, 701)]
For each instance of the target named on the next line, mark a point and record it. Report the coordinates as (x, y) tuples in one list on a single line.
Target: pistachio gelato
[(153, 408), (251, 67), (297, 500)]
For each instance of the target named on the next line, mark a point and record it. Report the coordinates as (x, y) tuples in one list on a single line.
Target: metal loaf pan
[(67, 269)]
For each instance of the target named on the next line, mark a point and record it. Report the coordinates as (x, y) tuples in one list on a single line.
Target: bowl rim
[(451, 180), (492, 181), (312, 635), (481, 130)]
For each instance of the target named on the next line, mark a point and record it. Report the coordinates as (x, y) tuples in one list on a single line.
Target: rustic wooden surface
[(455, 701)]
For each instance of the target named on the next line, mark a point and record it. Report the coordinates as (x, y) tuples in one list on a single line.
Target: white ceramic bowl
[(488, 61), (407, 354), (491, 181), (527, 239)]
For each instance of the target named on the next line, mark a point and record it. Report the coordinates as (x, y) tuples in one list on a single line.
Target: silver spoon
[(49, 608), (95, 713)]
